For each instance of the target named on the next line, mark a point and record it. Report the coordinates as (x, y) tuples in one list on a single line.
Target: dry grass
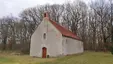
[(85, 58), (9, 58)]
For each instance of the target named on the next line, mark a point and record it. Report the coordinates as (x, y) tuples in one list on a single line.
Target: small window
[(44, 36)]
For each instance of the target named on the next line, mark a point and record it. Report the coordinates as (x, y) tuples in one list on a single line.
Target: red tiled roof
[(64, 31)]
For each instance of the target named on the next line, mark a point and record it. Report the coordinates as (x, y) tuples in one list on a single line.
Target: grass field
[(85, 58), (9, 58)]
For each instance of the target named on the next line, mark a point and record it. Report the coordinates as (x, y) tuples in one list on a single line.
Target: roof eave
[(72, 37)]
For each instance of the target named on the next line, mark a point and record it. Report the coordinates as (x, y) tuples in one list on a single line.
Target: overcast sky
[(14, 7)]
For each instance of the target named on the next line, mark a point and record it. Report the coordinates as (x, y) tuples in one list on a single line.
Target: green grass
[(85, 58), (9, 58), (5, 60)]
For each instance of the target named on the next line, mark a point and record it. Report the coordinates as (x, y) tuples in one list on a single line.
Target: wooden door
[(44, 51)]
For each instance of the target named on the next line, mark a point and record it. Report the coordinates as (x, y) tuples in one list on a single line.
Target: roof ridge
[(60, 25), (64, 31)]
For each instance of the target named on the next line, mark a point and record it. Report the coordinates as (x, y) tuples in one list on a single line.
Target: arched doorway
[(44, 52)]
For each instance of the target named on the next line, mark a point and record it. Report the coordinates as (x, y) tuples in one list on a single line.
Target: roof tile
[(64, 31)]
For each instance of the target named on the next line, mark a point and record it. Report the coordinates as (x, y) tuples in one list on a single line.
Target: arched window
[(44, 36)]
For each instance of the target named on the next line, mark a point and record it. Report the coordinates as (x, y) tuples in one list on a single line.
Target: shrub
[(111, 49), (25, 50)]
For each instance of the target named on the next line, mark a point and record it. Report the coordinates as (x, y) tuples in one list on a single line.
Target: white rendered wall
[(53, 41), (72, 46)]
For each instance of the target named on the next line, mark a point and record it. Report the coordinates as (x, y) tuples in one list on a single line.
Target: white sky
[(14, 7)]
